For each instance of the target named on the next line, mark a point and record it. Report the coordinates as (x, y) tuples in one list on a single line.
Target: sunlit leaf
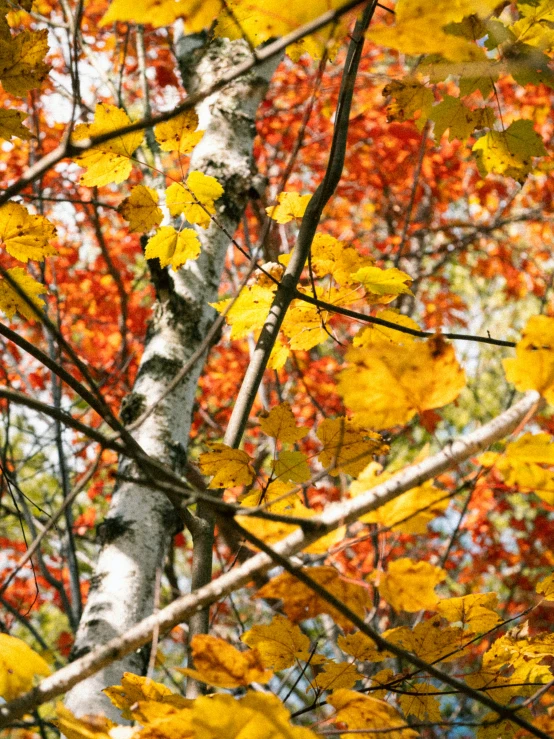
[(420, 704), (453, 114), (24, 235), (291, 205), (11, 124), (141, 210), (420, 28), (362, 647), (280, 423), (19, 666), (300, 603), (249, 311), (546, 588), (179, 133), (336, 675), (228, 466), (280, 643), (509, 152), (22, 66), (358, 711), (173, 247), (196, 200), (110, 161), (11, 301), (533, 366), (346, 447), (216, 662), (292, 466), (410, 586), (383, 285), (424, 375), (475, 611), (255, 715)]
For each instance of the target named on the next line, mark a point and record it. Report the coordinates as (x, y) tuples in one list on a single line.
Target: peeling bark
[(141, 522)]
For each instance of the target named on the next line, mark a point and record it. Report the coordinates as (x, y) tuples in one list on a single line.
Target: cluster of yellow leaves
[(411, 33), (306, 325), (218, 663), (300, 603), (527, 463), (24, 236), (409, 513), (112, 162), (256, 20), (424, 375), (19, 666), (165, 715)]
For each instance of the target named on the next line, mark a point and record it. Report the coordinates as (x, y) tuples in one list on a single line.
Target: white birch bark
[(141, 521)]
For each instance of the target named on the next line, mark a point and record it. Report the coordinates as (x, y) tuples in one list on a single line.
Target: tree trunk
[(140, 523)]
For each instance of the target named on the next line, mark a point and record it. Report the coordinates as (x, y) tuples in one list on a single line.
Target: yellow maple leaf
[(409, 98), (420, 704), (424, 375), (25, 236), (533, 366), (110, 161), (249, 311), (527, 463), (19, 666), (362, 647), (335, 675), (430, 640), (216, 662), (179, 133), (306, 326), (280, 423), (280, 644), (409, 513), (419, 28), (509, 152), (141, 210), (333, 257), (375, 334), (291, 205), (292, 466), (230, 467), (255, 715), (299, 602), (11, 124), (383, 285), (85, 727), (173, 247), (11, 301), (196, 200), (22, 66), (198, 14), (452, 114), (358, 712), (475, 611), (136, 690), (546, 587), (347, 447), (410, 586)]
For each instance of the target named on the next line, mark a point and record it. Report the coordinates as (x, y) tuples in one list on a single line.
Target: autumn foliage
[(395, 320)]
